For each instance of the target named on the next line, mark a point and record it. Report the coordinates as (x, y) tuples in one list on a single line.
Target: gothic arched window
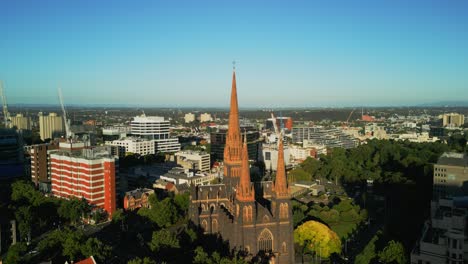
[(265, 241), (204, 225), (214, 226)]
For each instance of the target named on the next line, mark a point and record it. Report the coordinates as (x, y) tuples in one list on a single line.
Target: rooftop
[(453, 159)]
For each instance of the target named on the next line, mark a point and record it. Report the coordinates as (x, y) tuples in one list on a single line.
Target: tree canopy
[(317, 238)]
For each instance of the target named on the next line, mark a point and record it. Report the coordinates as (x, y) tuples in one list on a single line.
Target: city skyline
[(297, 54)]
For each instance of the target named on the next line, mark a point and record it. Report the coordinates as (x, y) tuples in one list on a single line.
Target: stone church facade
[(255, 217)]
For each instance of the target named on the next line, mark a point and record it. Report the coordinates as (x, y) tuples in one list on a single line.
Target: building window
[(265, 241), (205, 225), (267, 155), (214, 226), (284, 248)]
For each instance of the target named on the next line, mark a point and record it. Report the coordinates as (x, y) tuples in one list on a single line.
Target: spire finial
[(234, 65)]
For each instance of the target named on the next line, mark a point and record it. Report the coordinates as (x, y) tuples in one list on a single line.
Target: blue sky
[(288, 53)]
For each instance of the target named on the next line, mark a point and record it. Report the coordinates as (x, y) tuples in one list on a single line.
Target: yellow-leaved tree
[(317, 238)]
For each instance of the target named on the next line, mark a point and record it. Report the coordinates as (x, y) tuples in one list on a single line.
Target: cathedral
[(255, 217)]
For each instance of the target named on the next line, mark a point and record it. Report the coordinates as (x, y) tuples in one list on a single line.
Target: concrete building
[(451, 176), (137, 198), (197, 161), (453, 120), (157, 129), (205, 117), (40, 164), (89, 174), (329, 137), (444, 237), (135, 145), (21, 122), (50, 126), (300, 154), (189, 118), (180, 176), (269, 155)]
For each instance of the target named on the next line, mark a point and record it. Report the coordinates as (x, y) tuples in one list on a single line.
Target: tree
[(163, 213), (163, 239), (94, 247), (24, 216), (145, 260), (317, 238), (394, 252), (72, 245), (182, 201), (16, 253)]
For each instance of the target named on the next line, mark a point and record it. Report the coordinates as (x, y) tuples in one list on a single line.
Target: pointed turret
[(281, 184), (245, 191), (232, 150)]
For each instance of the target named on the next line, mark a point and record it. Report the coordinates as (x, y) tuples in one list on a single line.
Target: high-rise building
[(218, 142), (89, 174), (11, 155), (40, 164), (157, 129), (21, 122), (50, 126), (450, 176), (444, 236), (189, 118), (231, 209), (205, 117), (453, 120)]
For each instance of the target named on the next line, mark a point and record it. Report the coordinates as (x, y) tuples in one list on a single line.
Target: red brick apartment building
[(88, 174)]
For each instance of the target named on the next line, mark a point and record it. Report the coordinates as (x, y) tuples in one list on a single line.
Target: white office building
[(199, 161), (150, 135)]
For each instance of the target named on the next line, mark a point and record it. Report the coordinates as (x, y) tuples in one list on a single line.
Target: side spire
[(281, 185), (245, 191)]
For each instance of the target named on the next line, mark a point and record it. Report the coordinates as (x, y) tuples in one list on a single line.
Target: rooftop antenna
[(6, 114), (68, 131)]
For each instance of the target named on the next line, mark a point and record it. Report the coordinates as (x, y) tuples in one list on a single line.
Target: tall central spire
[(233, 148), (234, 130), (281, 185)]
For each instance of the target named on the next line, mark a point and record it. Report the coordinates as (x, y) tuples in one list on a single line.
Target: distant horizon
[(289, 54), (429, 105)]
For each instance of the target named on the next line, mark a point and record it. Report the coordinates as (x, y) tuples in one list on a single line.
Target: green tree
[(94, 247), (145, 260), (15, 254), (72, 245), (163, 213), (394, 252), (163, 239), (317, 238), (24, 216)]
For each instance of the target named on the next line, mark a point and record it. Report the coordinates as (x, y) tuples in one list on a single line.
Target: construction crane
[(275, 125), (6, 114), (68, 132), (350, 114)]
